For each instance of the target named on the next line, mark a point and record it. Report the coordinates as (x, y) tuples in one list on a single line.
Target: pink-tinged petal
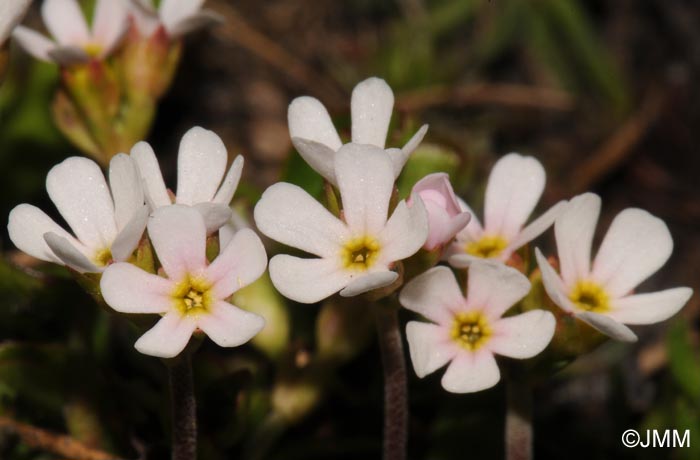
[(125, 183), (574, 230), (286, 213), (174, 11), (405, 232), (445, 216), (494, 287), (463, 260), (413, 144), (201, 164), (11, 14), (369, 282), (608, 326), (69, 55), (442, 227), (230, 184), (553, 284), (215, 215), (201, 20), (179, 237), (436, 187), (429, 347), (240, 263), (309, 119), (470, 372), (168, 337), (434, 294), (152, 178), (79, 190), (27, 225), (319, 156), (536, 227), (110, 23), (307, 280), (366, 180), (371, 106), (474, 230), (514, 188), (522, 336), (230, 326), (650, 308), (129, 237), (69, 254), (34, 43), (65, 22), (635, 247), (128, 289), (236, 223)]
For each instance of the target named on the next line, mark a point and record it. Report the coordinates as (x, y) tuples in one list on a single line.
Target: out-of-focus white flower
[(11, 13), (192, 294), (445, 217), (317, 140), (513, 190), (356, 254), (201, 165), (74, 41), (177, 17), (636, 246), (106, 226), (467, 332)]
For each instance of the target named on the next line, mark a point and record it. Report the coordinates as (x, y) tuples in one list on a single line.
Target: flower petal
[(553, 284), (201, 20), (319, 156), (215, 215), (413, 143), (168, 337), (474, 230), (536, 227), (79, 190), (230, 326), (65, 21), (147, 164), (471, 372), (129, 237), (201, 164), (309, 119), (514, 188), (128, 289), (366, 181), (307, 280), (11, 14), (240, 263), (125, 183), (68, 253), (608, 326), (286, 213), (523, 336), (369, 282), (27, 225), (405, 232), (574, 230), (429, 347), (463, 260), (434, 294), (109, 24), (636, 246), (33, 43), (174, 11), (230, 184), (650, 308), (236, 223), (179, 237), (495, 287), (371, 105)]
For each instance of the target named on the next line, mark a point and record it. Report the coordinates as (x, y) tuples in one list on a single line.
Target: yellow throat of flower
[(488, 246), (192, 296), (470, 330), (102, 257), (590, 296), (360, 253), (92, 49)]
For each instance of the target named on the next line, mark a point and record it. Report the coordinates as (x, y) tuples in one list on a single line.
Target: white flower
[(636, 246), (106, 226), (74, 41), (467, 332), (355, 254), (11, 14), (513, 190), (201, 165), (317, 140), (192, 294), (177, 17)]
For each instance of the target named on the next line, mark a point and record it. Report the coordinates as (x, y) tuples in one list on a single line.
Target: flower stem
[(184, 409), (519, 421), (395, 390)]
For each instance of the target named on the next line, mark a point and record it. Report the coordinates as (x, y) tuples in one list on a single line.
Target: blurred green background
[(604, 93)]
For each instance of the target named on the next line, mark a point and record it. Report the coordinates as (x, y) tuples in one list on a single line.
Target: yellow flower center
[(92, 49), (102, 257), (470, 330), (360, 253), (488, 246), (192, 296), (590, 296)]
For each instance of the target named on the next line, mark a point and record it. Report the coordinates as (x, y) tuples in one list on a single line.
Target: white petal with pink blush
[(11, 14), (600, 293), (192, 293), (465, 333)]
